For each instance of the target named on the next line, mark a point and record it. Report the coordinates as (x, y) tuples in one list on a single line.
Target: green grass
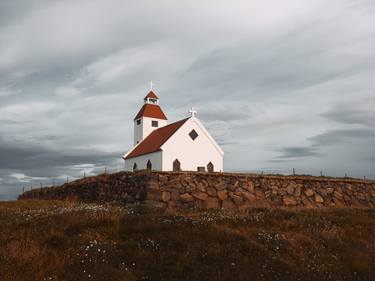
[(54, 240)]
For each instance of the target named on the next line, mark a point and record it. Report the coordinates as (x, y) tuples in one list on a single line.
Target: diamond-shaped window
[(193, 134)]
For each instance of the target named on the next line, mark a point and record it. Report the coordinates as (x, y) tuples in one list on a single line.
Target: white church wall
[(192, 153), (155, 158), (142, 130)]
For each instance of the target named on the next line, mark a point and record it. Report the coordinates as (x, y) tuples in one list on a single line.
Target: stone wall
[(174, 190)]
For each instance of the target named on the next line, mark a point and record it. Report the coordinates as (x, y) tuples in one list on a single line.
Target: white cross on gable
[(193, 112), (151, 84)]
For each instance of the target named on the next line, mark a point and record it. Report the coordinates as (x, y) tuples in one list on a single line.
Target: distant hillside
[(53, 240)]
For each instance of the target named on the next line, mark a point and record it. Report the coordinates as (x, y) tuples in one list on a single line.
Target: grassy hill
[(55, 240)]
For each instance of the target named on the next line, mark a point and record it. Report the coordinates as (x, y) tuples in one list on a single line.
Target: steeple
[(149, 117)]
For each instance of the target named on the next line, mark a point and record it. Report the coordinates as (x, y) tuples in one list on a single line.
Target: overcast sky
[(279, 84)]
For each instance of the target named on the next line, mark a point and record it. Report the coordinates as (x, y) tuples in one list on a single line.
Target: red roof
[(151, 95), (151, 110), (155, 139)]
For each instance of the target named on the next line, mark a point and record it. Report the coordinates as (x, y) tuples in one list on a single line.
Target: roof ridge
[(170, 124)]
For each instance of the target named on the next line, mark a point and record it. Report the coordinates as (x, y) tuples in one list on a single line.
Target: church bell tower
[(149, 118)]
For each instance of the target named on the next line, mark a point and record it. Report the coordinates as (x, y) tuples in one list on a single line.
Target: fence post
[(294, 171)]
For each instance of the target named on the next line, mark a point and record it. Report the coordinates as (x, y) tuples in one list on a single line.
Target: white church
[(184, 145)]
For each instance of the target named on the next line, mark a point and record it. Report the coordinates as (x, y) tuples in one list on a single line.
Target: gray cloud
[(357, 112), (334, 137), (297, 152)]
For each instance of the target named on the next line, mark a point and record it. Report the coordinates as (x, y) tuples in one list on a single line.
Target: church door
[(210, 167), (149, 165), (176, 165), (135, 167)]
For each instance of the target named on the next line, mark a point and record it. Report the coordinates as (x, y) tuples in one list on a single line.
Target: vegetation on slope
[(54, 240)]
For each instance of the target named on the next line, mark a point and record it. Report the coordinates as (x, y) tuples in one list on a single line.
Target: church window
[(149, 165), (210, 167), (193, 134), (154, 124), (176, 165), (139, 122), (135, 167), (201, 169)]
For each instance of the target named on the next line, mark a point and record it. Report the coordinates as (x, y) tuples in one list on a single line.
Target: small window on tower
[(193, 134), (154, 124), (139, 122)]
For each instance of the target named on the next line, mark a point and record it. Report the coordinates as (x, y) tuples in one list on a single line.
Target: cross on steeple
[(151, 84), (193, 112)]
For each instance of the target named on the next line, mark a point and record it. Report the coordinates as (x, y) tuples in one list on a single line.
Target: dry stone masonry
[(178, 190)]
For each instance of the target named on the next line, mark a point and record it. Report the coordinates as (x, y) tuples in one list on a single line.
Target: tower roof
[(151, 95), (155, 139), (152, 111)]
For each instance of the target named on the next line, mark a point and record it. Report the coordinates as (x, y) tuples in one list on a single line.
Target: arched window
[(149, 165), (210, 167), (176, 165), (135, 167)]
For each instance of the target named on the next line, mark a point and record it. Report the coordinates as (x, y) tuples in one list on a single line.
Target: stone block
[(236, 199), (250, 186), (297, 190), (211, 191), (248, 196), (201, 187), (222, 194), (338, 203), (289, 201), (290, 189), (212, 203), (309, 192), (282, 191), (274, 190), (219, 186), (330, 190), (190, 188), (318, 198), (153, 194), (175, 195), (338, 195), (267, 194), (227, 204), (231, 187), (186, 197), (361, 196), (200, 195), (152, 185), (165, 196), (156, 204), (259, 194), (182, 190)]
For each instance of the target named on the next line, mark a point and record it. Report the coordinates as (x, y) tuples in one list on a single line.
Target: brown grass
[(54, 240)]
